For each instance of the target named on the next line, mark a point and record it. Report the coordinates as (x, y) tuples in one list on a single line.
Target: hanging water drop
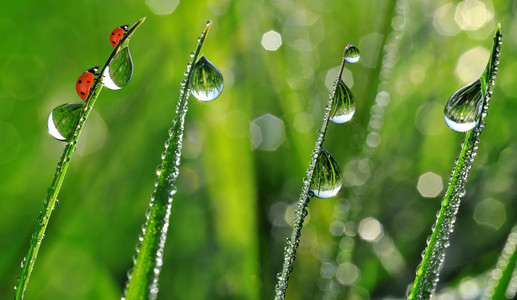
[(352, 54), (119, 72), (327, 178), (63, 120), (343, 105), (206, 81), (463, 109)]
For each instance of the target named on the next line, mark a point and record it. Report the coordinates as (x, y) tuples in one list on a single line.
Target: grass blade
[(501, 276), (62, 167), (306, 194), (427, 274), (143, 278), (333, 289)]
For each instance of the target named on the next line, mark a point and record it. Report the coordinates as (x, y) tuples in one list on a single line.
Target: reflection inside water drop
[(352, 54), (63, 120), (327, 178), (463, 109), (119, 72), (206, 81), (343, 105)]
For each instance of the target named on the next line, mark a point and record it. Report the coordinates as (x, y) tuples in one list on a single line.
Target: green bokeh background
[(227, 229)]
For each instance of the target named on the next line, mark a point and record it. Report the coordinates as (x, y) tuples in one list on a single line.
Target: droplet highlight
[(119, 72), (327, 179), (343, 105), (463, 109), (206, 81), (63, 120), (352, 54)]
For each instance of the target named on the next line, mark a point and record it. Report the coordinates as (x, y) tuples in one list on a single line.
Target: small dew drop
[(119, 72), (352, 54), (206, 81), (463, 109), (63, 120), (159, 169), (327, 178), (343, 105)]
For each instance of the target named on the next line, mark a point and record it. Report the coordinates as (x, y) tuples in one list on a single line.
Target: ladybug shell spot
[(84, 83), (115, 36)]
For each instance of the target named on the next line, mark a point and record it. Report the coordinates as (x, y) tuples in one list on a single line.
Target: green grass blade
[(387, 56), (143, 278), (303, 200), (62, 167), (501, 276), (427, 274)]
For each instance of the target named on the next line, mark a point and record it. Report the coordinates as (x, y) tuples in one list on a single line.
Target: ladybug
[(85, 81), (117, 34)]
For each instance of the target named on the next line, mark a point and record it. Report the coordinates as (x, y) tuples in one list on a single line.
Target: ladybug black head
[(94, 69), (124, 27)]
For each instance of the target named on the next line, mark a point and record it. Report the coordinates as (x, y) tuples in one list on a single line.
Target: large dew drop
[(63, 120), (206, 81), (463, 109), (119, 72), (352, 54), (343, 105), (327, 178)]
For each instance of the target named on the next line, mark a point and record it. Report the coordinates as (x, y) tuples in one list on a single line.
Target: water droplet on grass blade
[(352, 54), (343, 106), (327, 178), (206, 81), (463, 109), (63, 120), (119, 72)]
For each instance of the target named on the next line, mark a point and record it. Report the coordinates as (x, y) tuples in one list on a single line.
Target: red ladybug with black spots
[(117, 34), (85, 81)]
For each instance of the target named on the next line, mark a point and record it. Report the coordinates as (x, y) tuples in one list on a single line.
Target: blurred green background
[(245, 154)]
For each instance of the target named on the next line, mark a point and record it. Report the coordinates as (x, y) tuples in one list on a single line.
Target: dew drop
[(463, 109), (206, 81), (119, 72), (159, 169), (343, 105), (63, 120), (327, 178), (352, 54)]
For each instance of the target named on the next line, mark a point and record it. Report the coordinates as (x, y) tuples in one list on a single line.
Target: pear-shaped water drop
[(327, 178), (119, 72), (463, 109), (352, 54), (206, 81), (63, 120), (343, 105)]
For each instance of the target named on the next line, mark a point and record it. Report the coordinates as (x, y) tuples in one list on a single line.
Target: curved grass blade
[(305, 196), (347, 209), (501, 276), (50, 202), (427, 274), (143, 277)]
